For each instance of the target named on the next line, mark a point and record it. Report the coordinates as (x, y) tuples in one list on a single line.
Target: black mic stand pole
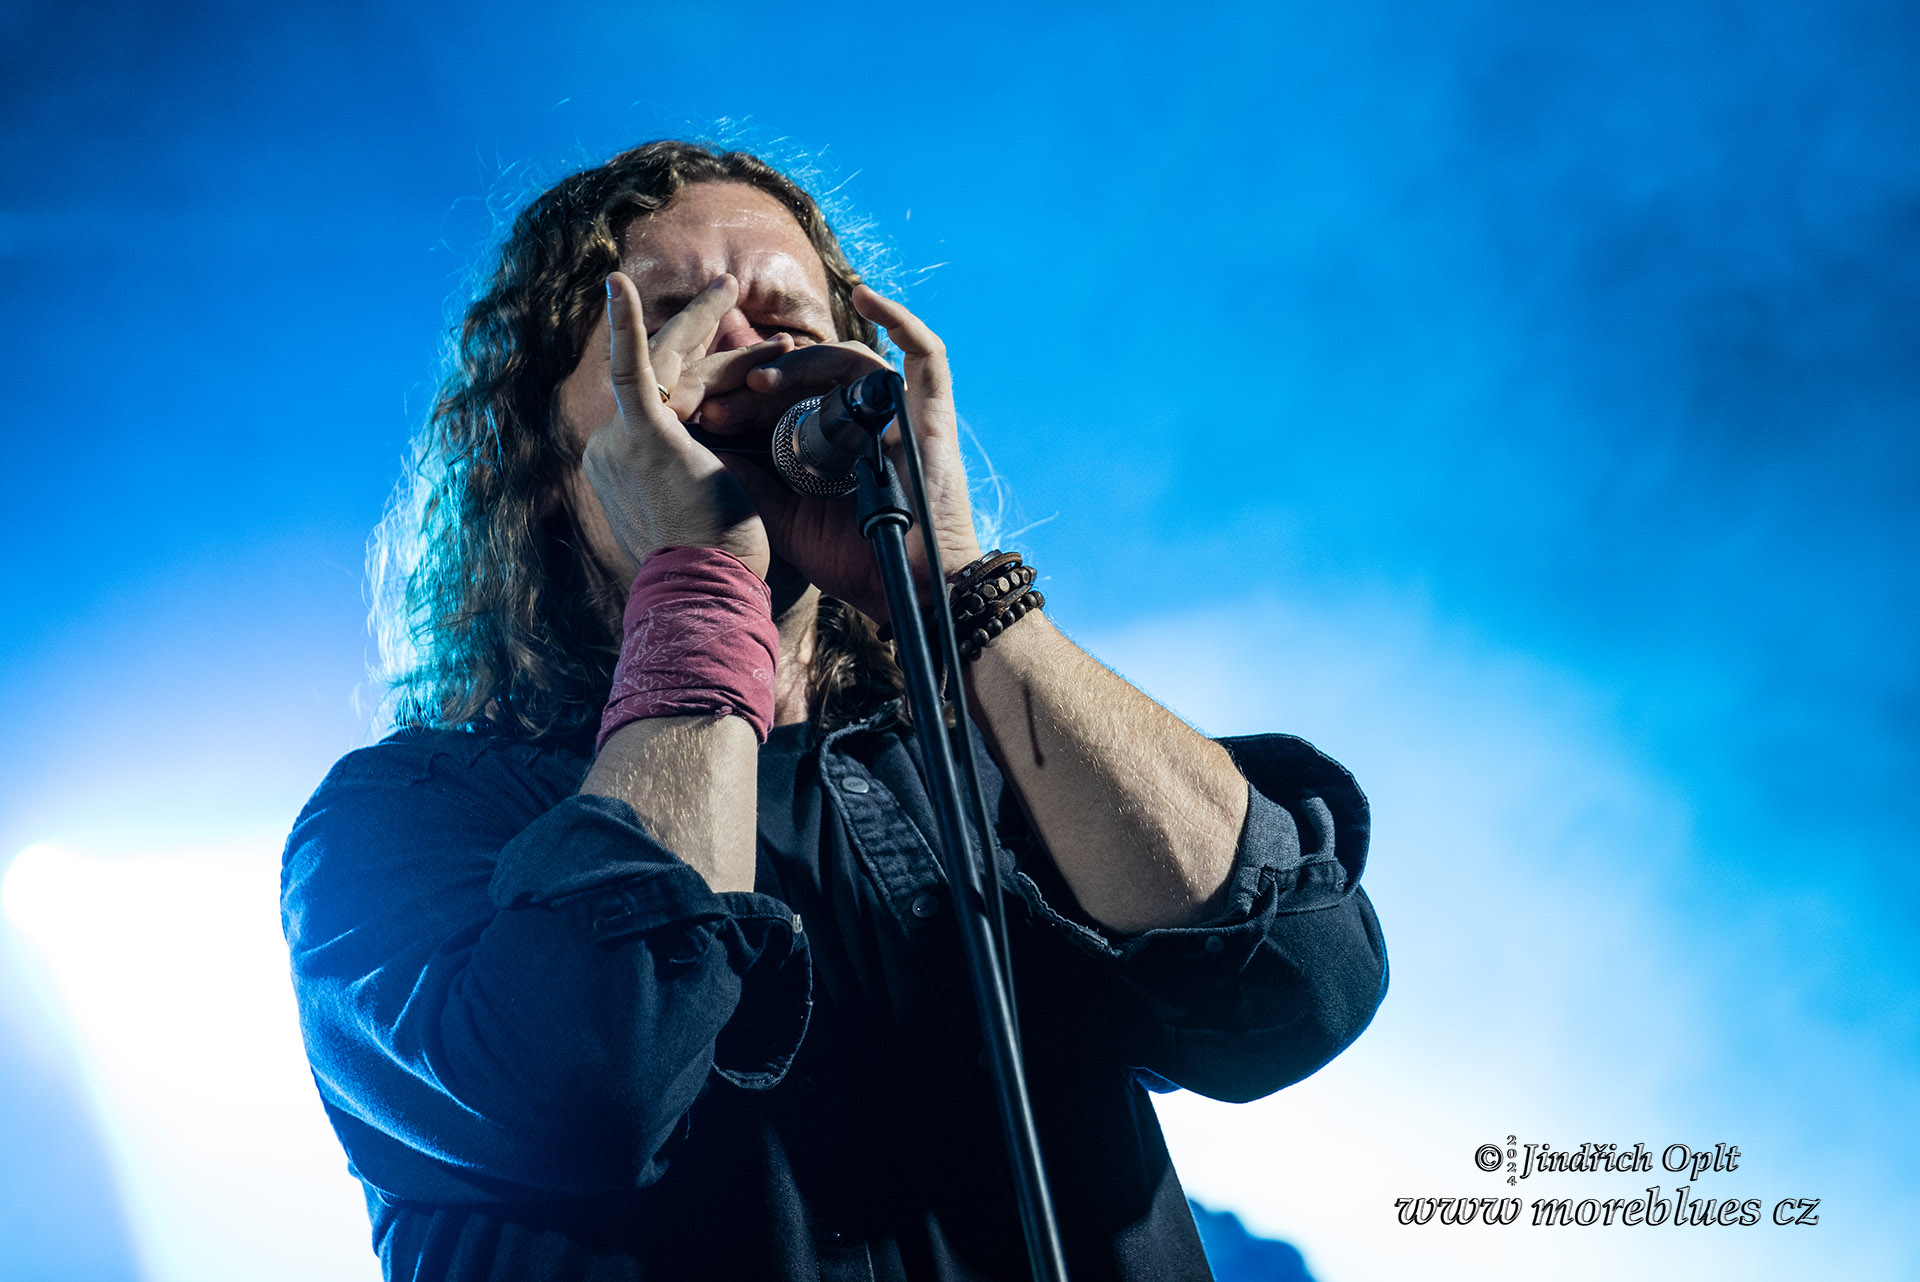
[(884, 517)]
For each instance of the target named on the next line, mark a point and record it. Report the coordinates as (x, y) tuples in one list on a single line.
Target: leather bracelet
[(987, 596)]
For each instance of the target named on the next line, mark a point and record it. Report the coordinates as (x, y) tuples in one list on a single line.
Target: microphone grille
[(799, 478)]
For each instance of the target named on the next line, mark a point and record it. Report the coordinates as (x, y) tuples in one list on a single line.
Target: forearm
[(693, 782), (1141, 813)]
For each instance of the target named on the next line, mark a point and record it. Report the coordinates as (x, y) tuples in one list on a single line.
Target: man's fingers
[(628, 362), (927, 372), (814, 368), (651, 424), (688, 331), (768, 389), (727, 371), (907, 331)]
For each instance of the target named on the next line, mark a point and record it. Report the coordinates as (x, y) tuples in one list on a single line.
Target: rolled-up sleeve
[(1283, 979), (490, 1011)]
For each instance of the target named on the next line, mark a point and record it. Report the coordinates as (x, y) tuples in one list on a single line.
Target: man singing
[(626, 955)]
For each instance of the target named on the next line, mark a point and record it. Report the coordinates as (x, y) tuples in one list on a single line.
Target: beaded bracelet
[(987, 596)]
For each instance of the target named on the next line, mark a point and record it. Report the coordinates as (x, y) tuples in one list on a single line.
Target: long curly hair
[(489, 609)]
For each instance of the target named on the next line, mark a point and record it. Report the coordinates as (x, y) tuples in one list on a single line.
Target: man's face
[(671, 256), (709, 229)]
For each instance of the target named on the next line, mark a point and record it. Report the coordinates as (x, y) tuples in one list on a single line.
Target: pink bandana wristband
[(700, 640)]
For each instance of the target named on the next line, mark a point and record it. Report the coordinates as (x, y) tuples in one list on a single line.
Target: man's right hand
[(690, 779), (658, 486)]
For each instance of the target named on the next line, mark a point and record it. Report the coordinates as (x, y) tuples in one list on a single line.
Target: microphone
[(818, 441)]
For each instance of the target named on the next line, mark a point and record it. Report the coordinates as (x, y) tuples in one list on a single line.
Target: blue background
[(1592, 330)]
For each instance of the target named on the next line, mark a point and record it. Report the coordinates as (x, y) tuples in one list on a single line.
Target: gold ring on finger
[(665, 395)]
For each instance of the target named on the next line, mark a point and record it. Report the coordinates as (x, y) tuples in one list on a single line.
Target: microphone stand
[(884, 517)]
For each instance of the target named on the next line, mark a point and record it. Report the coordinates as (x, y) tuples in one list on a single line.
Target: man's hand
[(818, 536), (657, 486), (690, 779), (683, 365)]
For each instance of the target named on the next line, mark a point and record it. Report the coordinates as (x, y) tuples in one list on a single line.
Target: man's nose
[(734, 332)]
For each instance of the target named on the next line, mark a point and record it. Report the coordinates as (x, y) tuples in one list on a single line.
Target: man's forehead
[(715, 228), (696, 266)]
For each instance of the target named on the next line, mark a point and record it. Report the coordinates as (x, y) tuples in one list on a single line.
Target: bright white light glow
[(1545, 982), (168, 969)]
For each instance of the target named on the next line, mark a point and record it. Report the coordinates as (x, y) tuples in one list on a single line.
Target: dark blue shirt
[(551, 1052)]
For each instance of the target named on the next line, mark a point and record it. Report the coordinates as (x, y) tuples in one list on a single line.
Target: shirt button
[(1214, 943), (854, 784), (926, 905)]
